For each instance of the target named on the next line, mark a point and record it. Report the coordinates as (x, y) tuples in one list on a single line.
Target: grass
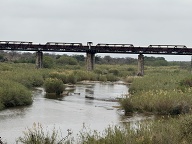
[(38, 135), (164, 130), (21, 78), (53, 85), (162, 91)]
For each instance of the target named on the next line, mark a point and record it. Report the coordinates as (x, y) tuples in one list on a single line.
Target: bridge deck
[(99, 48)]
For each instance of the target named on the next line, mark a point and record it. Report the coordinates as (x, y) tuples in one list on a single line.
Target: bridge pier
[(90, 61), (90, 58), (140, 65), (39, 59)]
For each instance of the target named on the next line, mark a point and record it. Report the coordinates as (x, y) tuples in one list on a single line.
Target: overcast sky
[(140, 22)]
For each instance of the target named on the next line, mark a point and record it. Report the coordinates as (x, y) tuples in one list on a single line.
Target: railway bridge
[(91, 50)]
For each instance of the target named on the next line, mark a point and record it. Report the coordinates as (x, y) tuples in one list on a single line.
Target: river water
[(89, 104)]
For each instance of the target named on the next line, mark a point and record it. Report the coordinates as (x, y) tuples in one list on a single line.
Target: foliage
[(170, 131), (13, 94), (48, 62), (159, 92), (102, 78), (66, 60), (53, 85), (164, 130), (71, 78), (37, 135), (153, 61), (111, 77)]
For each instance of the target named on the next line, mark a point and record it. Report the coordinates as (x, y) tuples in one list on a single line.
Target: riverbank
[(67, 112), (162, 92)]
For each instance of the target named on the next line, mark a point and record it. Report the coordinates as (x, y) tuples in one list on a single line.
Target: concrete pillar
[(39, 59), (90, 58), (90, 61), (140, 65)]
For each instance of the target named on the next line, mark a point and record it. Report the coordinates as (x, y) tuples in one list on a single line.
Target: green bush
[(85, 75), (62, 76), (111, 77), (29, 79), (53, 85), (186, 82), (14, 94), (66, 60), (48, 62), (165, 130), (36, 135), (159, 93), (102, 78), (71, 78), (114, 71)]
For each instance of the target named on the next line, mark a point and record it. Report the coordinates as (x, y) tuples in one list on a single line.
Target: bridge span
[(91, 50)]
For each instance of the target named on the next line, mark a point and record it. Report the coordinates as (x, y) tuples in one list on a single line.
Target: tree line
[(52, 59)]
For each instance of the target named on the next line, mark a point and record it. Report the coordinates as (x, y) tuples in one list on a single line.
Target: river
[(96, 112)]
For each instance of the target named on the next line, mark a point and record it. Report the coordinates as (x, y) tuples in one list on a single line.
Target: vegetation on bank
[(164, 130), (54, 86), (19, 79), (164, 91), (71, 69)]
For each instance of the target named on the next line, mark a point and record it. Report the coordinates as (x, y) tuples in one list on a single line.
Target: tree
[(66, 60), (48, 62)]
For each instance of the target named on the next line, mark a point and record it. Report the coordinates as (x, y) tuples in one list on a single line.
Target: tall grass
[(161, 131), (13, 94), (164, 130), (53, 85), (38, 135), (159, 92)]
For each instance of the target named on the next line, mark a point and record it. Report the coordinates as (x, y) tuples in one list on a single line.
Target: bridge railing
[(15, 45), (64, 44), (167, 46)]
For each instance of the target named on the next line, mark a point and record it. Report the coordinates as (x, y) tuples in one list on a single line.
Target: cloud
[(141, 22)]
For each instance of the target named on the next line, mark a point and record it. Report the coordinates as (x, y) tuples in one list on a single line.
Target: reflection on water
[(67, 112)]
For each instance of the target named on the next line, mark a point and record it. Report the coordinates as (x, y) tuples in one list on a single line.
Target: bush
[(159, 93), (53, 85), (187, 82), (129, 79), (66, 60), (37, 135), (102, 78), (162, 131), (114, 71), (14, 94), (111, 77), (48, 62), (71, 78), (29, 79), (61, 76)]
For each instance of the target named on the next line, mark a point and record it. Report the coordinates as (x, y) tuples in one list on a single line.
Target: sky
[(137, 22)]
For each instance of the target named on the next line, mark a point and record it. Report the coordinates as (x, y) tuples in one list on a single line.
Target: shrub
[(111, 77), (38, 135), (129, 79), (61, 76), (159, 93), (48, 62), (66, 60), (71, 78), (187, 82), (114, 71), (29, 79), (53, 85), (14, 94), (102, 78)]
